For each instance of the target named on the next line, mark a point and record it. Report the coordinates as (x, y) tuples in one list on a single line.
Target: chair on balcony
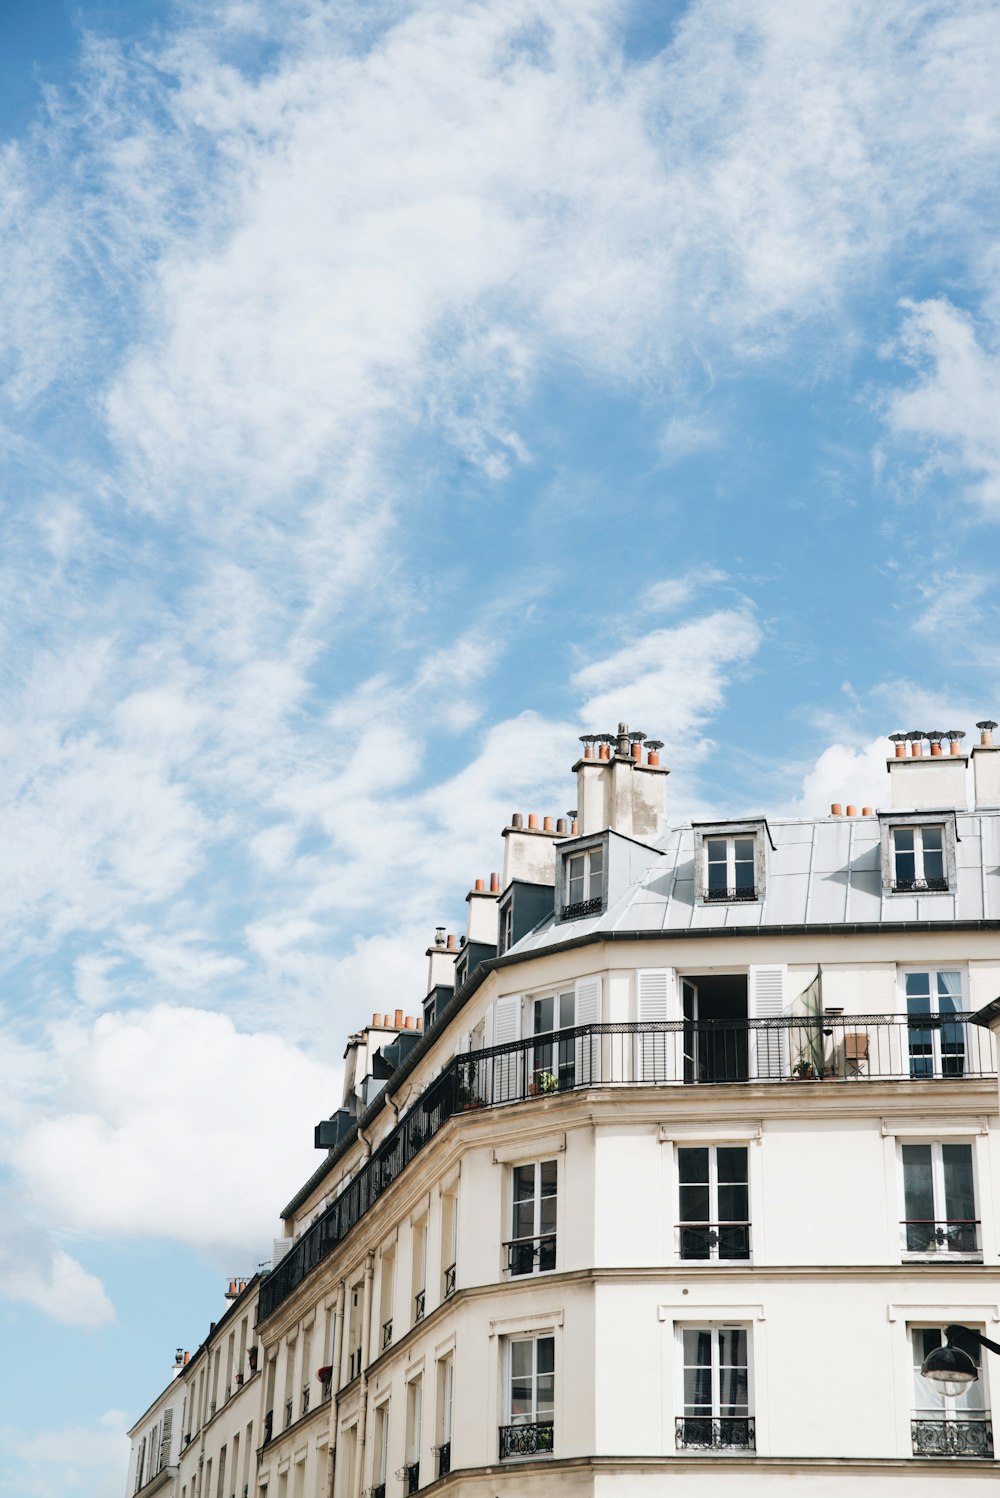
[(855, 1054)]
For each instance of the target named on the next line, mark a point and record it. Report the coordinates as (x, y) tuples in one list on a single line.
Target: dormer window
[(583, 882), (919, 852), (730, 868), (918, 859), (730, 861)]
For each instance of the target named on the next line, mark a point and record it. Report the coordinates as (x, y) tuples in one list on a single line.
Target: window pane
[(734, 1205), (918, 1197), (959, 1195), (577, 867), (697, 1390), (697, 1347), (521, 1403), (732, 1163), (545, 1399), (546, 1347), (543, 1016), (549, 1173), (903, 838), (933, 853), (520, 1359), (917, 984), (596, 870), (567, 1011), (949, 987), (547, 1215), (743, 848), (692, 1165), (693, 1204), (524, 1182), (733, 1346), (716, 849), (524, 1220)]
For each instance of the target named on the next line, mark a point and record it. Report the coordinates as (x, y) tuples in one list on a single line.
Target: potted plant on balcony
[(804, 1071), (547, 1082), (253, 1359)]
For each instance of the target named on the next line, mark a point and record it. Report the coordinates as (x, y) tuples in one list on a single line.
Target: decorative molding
[(504, 1326), (529, 1147), (680, 1310)]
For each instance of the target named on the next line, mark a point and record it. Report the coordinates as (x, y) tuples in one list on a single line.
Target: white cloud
[(86, 1460), (848, 775), (139, 1101), (672, 593), (953, 407), (34, 1270)]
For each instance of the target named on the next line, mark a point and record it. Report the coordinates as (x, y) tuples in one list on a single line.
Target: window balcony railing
[(972, 1437), (713, 1240), (377, 1490), (919, 886), (734, 895), (411, 1477), (840, 1050), (715, 1433), (526, 1440), (443, 1454), (288, 1413), (268, 1428), (419, 1306), (449, 1281), (531, 1255), (386, 1334), (958, 1236), (580, 908)]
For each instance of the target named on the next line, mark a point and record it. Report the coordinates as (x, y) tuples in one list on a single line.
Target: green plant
[(548, 1081)]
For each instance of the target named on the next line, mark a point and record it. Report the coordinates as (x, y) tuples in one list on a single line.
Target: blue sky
[(389, 394)]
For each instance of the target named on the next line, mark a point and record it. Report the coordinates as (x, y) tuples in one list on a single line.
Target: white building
[(694, 1161)]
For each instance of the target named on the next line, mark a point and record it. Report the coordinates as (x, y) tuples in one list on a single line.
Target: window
[(944, 1426), (713, 1202), (553, 1065), (380, 1466), (939, 1200), (449, 1242), (730, 868), (385, 1297), (419, 1271), (936, 1046), (507, 927), (584, 891), (414, 1402), (530, 1400), (531, 1248), (716, 1390), (446, 1387), (918, 859)]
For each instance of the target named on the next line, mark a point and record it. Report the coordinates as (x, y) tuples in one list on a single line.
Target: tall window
[(936, 1046), (380, 1465), (939, 1199), (418, 1280), (716, 1389), (531, 1248), (918, 858), (945, 1426), (449, 1242), (531, 1378), (386, 1279), (414, 1411), (730, 872), (446, 1388), (584, 882), (553, 1063), (713, 1202)]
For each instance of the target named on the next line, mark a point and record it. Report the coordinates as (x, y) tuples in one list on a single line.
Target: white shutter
[(168, 1426), (506, 1071), (656, 1053), (766, 998), (588, 1047)]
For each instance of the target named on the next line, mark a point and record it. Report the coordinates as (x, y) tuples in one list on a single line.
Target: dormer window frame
[(753, 829), (918, 822), (582, 875)]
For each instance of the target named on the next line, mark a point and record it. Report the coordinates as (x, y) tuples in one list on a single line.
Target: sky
[(390, 393)]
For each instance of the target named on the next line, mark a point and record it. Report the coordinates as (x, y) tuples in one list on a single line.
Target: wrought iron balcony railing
[(580, 908), (411, 1477), (386, 1334), (957, 1236), (419, 1305), (973, 1437), (449, 1280), (797, 1050), (443, 1453), (531, 1255), (713, 1240), (378, 1490), (734, 895), (919, 886), (268, 1427), (527, 1440), (715, 1433)]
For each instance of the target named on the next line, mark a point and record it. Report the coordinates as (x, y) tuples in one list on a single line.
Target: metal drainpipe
[(338, 1339), (366, 1316)]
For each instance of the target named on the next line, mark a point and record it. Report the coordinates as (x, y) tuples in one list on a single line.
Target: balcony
[(411, 1477), (531, 1255), (735, 894), (526, 1440), (955, 1238), (713, 1240), (802, 1051), (386, 1334), (715, 1433), (444, 1459), (449, 1281), (952, 1437), (419, 1306), (919, 886), (377, 1490)]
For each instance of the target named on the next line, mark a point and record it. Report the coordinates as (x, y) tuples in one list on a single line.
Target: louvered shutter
[(588, 1047), (165, 1435), (656, 1050), (768, 1047), (506, 1070)]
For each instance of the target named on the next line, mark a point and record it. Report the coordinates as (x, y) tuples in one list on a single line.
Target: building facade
[(694, 1160)]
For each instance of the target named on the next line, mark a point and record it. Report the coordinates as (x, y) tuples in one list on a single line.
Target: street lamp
[(949, 1369)]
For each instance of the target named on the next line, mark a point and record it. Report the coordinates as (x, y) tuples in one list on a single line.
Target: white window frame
[(594, 882), (507, 927), (536, 1215), (380, 1452), (714, 1256), (918, 822), (730, 839), (937, 1020), (534, 1338), (714, 1327), (945, 1408), (939, 1251), (918, 884)]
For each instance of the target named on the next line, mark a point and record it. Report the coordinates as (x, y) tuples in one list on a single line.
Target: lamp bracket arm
[(968, 1331)]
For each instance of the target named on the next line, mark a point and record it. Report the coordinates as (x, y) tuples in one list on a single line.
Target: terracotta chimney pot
[(547, 825), (450, 945), (408, 1023), (494, 884), (533, 820), (561, 825), (866, 811), (852, 810), (588, 751), (900, 751), (517, 820), (399, 1019), (574, 828), (479, 887), (836, 810), (956, 746), (936, 748), (376, 1020), (420, 1022), (916, 749), (653, 757), (636, 750)]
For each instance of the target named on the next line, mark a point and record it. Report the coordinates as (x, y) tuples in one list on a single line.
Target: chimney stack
[(986, 766), (618, 789), (920, 782)]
